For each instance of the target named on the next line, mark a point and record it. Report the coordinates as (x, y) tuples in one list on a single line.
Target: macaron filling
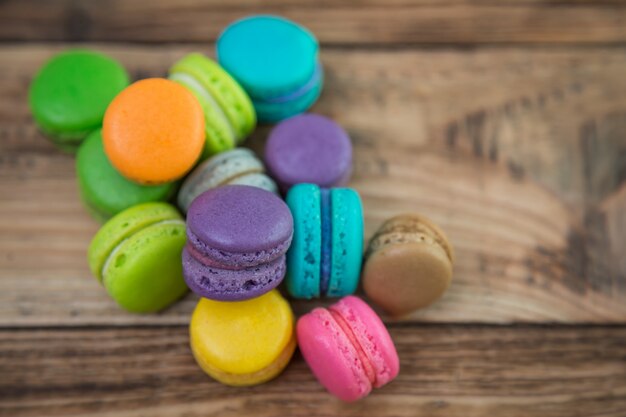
[(208, 98), (112, 256), (238, 259), (299, 92), (326, 237), (365, 361)]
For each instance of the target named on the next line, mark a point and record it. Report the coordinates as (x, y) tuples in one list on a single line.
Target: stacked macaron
[(233, 239)]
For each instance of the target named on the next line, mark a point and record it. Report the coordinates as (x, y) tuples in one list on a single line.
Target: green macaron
[(137, 257), (104, 191), (71, 92), (229, 113)]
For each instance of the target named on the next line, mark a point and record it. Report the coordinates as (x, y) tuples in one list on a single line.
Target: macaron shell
[(229, 284), (105, 191), (404, 277), (331, 356), (270, 56), (258, 180), (244, 380), (308, 148), (243, 338), (145, 273), (223, 88), (240, 221), (70, 93), (412, 223), (122, 226), (304, 255), (153, 131), (372, 336), (347, 242)]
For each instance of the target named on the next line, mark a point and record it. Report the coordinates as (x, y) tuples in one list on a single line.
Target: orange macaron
[(153, 131)]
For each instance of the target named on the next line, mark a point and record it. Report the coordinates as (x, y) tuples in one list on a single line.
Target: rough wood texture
[(518, 154), (459, 22), (445, 371)]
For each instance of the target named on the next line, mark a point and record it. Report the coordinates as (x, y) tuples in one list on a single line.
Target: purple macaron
[(237, 237), (309, 148)]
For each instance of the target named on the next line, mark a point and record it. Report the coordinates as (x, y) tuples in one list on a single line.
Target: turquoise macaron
[(71, 92), (103, 190), (327, 247), (276, 61)]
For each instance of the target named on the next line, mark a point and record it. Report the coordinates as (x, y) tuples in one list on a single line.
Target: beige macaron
[(408, 264)]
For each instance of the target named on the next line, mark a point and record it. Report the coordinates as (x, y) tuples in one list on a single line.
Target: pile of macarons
[(183, 206)]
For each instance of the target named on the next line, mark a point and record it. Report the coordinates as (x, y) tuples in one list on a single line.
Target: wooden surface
[(503, 121)]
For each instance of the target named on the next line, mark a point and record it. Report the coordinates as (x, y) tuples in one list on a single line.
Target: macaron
[(325, 256), (408, 264), (244, 343), (228, 111), (103, 190), (276, 61), (136, 256), (237, 166), (237, 239), (71, 92), (348, 348), (309, 148), (153, 131)]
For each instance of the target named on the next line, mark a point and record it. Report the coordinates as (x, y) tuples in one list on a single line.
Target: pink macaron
[(348, 348)]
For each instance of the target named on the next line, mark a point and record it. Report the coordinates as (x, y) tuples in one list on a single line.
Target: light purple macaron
[(309, 148), (237, 237)]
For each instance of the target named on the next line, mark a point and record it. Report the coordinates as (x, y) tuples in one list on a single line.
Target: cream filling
[(117, 248), (208, 98)]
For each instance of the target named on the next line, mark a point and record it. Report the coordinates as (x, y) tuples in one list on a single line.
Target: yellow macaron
[(243, 343)]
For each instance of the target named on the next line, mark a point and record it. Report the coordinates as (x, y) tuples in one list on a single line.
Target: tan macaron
[(408, 264)]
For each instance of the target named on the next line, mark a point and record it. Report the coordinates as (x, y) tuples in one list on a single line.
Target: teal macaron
[(103, 190), (70, 94), (327, 248), (136, 256), (276, 61)]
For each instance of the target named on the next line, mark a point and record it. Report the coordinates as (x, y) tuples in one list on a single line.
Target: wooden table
[(503, 120)]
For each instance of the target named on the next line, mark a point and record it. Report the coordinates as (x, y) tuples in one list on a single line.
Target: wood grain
[(345, 22), (517, 153), (445, 371)]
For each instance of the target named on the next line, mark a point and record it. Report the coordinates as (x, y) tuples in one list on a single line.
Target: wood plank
[(445, 371), (517, 153), (334, 22)]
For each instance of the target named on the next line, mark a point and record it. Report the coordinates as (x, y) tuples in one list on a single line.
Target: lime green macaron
[(71, 92), (137, 257), (229, 113)]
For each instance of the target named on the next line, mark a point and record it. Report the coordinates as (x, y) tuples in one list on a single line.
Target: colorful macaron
[(325, 256), (237, 239), (103, 190), (153, 131), (71, 92), (348, 348), (237, 166), (136, 256), (408, 265), (276, 61), (229, 114), (244, 343), (309, 148)]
